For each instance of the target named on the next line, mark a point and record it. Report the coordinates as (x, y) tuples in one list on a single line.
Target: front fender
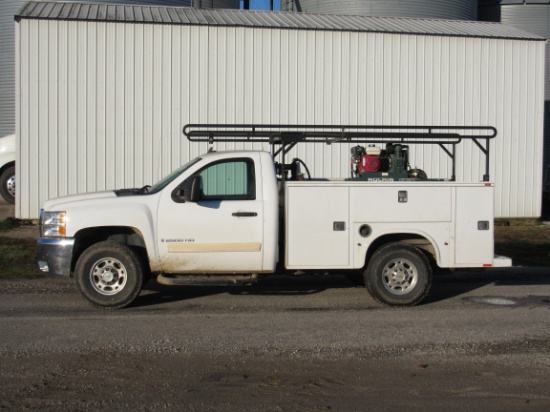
[(118, 213)]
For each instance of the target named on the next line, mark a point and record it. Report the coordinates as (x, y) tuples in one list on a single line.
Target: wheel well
[(6, 166), (418, 241), (125, 235)]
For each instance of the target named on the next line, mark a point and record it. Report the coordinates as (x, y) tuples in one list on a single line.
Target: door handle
[(245, 214)]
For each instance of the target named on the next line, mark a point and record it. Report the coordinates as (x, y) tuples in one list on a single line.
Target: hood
[(58, 204), (10, 139), (7, 149)]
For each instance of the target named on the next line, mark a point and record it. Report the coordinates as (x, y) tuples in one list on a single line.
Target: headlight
[(53, 224)]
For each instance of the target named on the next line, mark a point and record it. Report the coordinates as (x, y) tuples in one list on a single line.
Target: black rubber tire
[(8, 177), (398, 275), (121, 272)]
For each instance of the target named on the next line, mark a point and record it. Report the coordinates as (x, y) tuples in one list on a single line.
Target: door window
[(229, 180)]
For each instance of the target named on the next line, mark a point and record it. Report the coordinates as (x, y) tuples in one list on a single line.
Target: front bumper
[(54, 256)]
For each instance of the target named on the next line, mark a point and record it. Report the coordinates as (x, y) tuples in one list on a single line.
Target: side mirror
[(188, 191)]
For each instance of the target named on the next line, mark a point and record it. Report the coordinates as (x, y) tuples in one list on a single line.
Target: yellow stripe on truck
[(213, 247)]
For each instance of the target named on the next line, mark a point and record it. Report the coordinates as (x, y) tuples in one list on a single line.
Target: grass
[(527, 242), (17, 258), (527, 245), (9, 224)]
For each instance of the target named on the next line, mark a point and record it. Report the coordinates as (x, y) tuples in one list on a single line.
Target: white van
[(7, 168)]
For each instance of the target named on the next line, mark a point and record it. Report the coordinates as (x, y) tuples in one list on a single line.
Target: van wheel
[(398, 275), (7, 185), (109, 275)]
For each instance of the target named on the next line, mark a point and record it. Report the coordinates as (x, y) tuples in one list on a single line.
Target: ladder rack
[(287, 136)]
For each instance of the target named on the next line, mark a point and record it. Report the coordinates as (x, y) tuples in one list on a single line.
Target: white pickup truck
[(233, 217), (7, 168)]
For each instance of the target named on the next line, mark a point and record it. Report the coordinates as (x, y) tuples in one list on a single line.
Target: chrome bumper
[(54, 255)]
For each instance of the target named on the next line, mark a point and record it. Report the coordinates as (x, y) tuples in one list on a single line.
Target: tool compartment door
[(317, 227), (474, 244)]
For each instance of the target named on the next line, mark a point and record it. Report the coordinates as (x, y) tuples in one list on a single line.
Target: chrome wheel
[(10, 185), (399, 276), (7, 184), (108, 276)]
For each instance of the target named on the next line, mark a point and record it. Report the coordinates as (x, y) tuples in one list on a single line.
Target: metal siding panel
[(34, 150), (22, 121), (61, 120), (211, 72), (8, 8), (81, 136), (110, 136), (266, 75), (249, 77), (100, 60), (17, 110), (147, 99), (175, 108), (155, 139), (310, 77), (89, 88), (276, 80), (138, 112), (116, 136), (165, 73), (51, 101), (74, 67)]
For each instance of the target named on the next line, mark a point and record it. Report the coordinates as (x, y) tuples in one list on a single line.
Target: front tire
[(109, 275), (7, 185), (398, 275)]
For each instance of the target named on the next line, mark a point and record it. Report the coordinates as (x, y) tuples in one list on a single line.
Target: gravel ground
[(305, 344), (22, 232)]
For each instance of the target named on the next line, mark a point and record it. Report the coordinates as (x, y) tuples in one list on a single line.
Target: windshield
[(162, 183)]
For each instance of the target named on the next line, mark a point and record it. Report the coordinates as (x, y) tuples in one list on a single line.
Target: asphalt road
[(480, 341)]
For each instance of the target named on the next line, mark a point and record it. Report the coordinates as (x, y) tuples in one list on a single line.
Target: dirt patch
[(6, 209)]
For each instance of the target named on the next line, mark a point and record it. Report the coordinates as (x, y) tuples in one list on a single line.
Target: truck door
[(221, 233)]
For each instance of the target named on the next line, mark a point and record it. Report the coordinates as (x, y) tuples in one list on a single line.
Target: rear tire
[(109, 275), (7, 185), (398, 275)]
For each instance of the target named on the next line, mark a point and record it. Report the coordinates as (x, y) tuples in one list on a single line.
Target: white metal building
[(104, 91), (8, 8)]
